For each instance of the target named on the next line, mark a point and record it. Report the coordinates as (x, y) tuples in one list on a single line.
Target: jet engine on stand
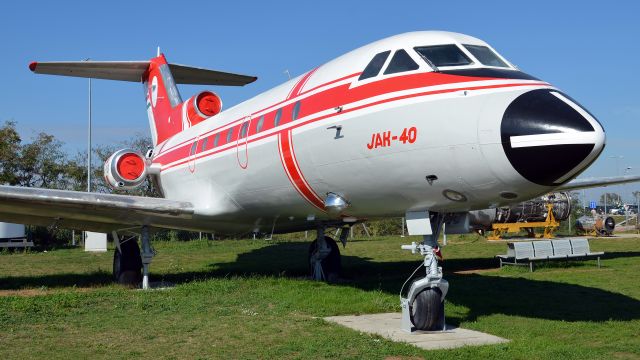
[(545, 211)]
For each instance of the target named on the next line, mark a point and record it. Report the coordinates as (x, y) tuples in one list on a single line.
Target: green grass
[(250, 299)]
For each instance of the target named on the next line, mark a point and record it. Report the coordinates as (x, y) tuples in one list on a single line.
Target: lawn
[(250, 299)]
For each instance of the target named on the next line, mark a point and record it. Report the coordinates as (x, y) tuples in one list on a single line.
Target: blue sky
[(588, 49)]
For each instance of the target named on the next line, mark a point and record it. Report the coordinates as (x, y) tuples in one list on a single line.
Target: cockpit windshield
[(443, 55), (485, 55)]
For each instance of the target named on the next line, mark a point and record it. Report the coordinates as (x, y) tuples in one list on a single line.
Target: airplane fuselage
[(454, 139)]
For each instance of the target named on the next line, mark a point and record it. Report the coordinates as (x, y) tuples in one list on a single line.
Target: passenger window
[(485, 55), (443, 55), (296, 111), (204, 144), (375, 65), (276, 121), (194, 147), (243, 130), (260, 122), (229, 135), (216, 140), (400, 62)]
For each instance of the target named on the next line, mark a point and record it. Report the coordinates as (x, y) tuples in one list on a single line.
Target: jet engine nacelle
[(202, 106), (125, 169)]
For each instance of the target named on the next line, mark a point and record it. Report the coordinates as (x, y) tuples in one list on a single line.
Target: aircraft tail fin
[(159, 78)]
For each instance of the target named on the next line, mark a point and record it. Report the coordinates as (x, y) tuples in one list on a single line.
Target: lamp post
[(89, 140), (618, 158), (88, 153), (626, 208)]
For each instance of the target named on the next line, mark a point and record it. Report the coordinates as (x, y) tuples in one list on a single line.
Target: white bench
[(16, 243), (526, 253)]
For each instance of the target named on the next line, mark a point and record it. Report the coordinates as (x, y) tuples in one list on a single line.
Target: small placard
[(94, 241), (418, 223)]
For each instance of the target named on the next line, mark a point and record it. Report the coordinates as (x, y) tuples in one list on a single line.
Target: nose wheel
[(427, 310)]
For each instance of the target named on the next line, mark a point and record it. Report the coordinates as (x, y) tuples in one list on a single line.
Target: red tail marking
[(167, 119)]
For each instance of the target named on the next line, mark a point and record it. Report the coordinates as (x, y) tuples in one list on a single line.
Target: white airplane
[(427, 125)]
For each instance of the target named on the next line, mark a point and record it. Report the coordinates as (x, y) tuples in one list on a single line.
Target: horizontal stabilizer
[(134, 70)]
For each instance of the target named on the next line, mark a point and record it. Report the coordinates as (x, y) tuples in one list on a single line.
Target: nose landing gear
[(423, 306)]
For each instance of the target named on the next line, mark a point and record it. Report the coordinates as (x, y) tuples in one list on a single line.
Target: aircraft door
[(241, 144)]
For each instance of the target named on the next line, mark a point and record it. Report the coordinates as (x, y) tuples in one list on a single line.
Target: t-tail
[(168, 114)]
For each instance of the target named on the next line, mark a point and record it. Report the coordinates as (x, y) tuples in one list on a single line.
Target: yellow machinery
[(550, 224)]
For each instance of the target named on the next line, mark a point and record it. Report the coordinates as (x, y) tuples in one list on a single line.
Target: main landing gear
[(423, 306), (130, 266), (324, 256)]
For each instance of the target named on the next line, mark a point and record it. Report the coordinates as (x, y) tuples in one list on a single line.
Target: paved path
[(388, 326)]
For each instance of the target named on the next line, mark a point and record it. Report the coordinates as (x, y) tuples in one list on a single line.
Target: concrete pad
[(388, 326)]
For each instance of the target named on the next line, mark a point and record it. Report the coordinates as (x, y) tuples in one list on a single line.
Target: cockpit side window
[(401, 61), (485, 55), (375, 65), (443, 55)]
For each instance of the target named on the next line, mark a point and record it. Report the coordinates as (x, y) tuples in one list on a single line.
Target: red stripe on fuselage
[(295, 90), (288, 157), (237, 121), (289, 162), (180, 153)]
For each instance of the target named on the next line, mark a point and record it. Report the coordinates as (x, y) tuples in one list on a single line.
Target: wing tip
[(32, 65)]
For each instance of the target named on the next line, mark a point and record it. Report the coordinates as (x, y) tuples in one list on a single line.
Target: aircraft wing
[(578, 184), (89, 211)]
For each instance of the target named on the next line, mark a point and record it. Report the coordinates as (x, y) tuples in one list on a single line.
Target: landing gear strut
[(324, 257), (130, 266), (423, 306)]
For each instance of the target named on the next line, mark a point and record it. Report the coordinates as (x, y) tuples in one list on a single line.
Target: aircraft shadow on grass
[(482, 294)]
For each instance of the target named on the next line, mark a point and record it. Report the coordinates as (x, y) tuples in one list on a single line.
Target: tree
[(612, 200), (9, 148), (42, 163)]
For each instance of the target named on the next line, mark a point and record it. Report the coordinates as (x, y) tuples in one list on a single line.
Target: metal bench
[(16, 243), (526, 253), (580, 248)]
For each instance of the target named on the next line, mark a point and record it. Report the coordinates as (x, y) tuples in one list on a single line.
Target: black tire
[(331, 265), (426, 309), (127, 265)]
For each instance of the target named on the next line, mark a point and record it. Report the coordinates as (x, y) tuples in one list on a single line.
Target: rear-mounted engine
[(125, 169), (202, 106)]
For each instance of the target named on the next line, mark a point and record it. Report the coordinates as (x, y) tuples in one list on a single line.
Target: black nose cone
[(549, 138)]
